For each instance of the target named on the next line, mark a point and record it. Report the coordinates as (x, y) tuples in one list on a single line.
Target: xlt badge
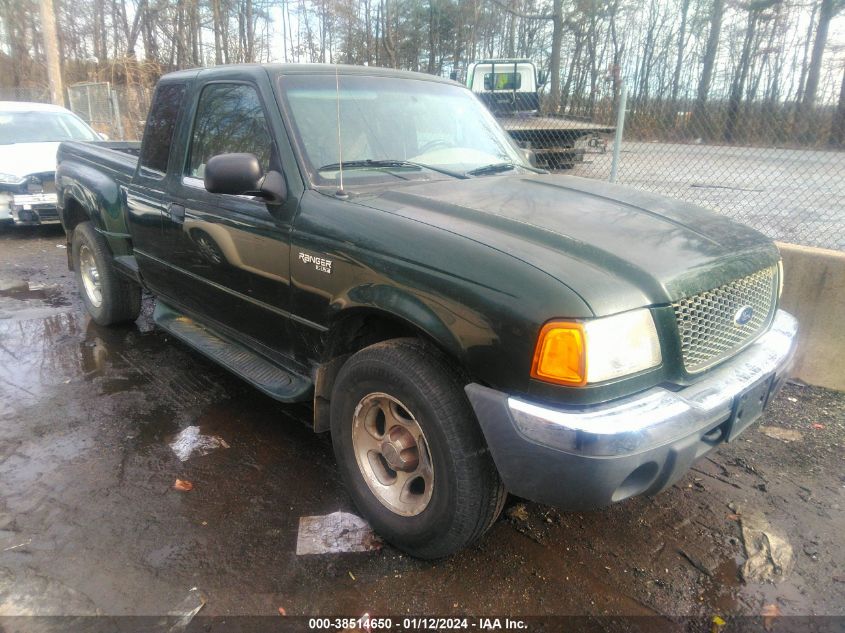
[(321, 264)]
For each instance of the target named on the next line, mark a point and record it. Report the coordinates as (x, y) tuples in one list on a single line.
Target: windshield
[(42, 127), (435, 128)]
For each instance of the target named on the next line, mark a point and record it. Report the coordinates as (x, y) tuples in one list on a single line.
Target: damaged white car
[(30, 134)]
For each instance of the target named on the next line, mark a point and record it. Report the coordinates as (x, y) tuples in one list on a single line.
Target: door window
[(229, 119)]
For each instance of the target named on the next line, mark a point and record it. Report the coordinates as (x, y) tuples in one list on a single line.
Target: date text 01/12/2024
[(420, 623)]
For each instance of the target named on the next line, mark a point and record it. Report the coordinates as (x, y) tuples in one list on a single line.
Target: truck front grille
[(709, 323)]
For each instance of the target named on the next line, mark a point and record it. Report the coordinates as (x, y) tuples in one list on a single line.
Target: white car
[(30, 134)]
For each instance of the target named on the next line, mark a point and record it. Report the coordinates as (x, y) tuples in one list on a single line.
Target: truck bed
[(551, 138), (119, 157), (560, 128), (97, 171)]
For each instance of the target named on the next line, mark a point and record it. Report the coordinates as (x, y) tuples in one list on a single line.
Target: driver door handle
[(177, 213)]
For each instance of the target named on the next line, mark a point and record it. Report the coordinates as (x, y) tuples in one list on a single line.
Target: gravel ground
[(90, 523), (790, 195)]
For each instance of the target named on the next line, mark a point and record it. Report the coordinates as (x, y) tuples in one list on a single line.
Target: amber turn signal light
[(560, 355)]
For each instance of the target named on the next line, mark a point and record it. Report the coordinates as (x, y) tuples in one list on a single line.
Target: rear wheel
[(108, 297), (410, 450)]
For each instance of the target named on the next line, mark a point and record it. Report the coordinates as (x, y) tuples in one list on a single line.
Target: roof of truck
[(504, 60), (307, 69)]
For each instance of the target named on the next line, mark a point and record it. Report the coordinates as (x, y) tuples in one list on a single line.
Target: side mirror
[(542, 78), (241, 174), (453, 75), (103, 136)]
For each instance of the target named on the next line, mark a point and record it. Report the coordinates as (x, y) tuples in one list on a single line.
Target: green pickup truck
[(465, 325)]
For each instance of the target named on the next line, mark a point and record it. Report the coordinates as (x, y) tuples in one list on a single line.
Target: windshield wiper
[(493, 168), (387, 163)]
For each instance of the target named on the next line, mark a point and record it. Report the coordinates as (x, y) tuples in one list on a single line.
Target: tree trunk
[(368, 55), (387, 37), (196, 31), (648, 55), (573, 63), (432, 34), (814, 73), (554, 57), (512, 36), (739, 79), (799, 95), (250, 32), (51, 49), (217, 27), (679, 60), (699, 116), (17, 49), (616, 66)]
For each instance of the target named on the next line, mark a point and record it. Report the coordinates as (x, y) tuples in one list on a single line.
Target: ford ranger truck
[(371, 242)]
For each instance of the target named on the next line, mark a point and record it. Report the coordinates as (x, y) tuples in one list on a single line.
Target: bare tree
[(699, 116), (827, 9), (756, 10), (51, 49)]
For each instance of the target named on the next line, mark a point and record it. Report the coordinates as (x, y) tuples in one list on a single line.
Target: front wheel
[(410, 450), (108, 297)]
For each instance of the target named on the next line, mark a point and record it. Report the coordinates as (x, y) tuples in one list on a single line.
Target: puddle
[(27, 300), (721, 594), (50, 295)]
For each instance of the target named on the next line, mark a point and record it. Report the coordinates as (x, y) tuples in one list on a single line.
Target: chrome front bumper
[(29, 209), (659, 415), (638, 444)]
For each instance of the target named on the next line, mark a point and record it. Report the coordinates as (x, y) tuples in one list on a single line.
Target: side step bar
[(276, 382)]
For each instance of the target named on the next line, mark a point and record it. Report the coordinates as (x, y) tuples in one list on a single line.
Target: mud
[(90, 522)]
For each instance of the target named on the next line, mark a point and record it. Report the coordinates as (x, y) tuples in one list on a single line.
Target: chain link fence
[(768, 165), (38, 95), (117, 112), (96, 104)]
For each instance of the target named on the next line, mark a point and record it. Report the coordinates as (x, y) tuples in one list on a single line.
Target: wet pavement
[(90, 522)]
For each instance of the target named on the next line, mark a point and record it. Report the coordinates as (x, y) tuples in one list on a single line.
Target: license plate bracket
[(748, 407)]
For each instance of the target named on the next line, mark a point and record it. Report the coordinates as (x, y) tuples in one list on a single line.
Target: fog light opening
[(637, 482)]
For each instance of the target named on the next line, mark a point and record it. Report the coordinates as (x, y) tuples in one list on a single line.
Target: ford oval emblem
[(743, 315)]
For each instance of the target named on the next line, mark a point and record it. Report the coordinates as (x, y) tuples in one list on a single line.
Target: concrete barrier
[(814, 291)]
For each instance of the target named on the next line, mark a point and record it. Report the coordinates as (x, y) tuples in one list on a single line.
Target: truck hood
[(22, 159), (617, 247)]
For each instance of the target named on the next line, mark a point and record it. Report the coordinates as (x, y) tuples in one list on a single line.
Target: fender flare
[(98, 194), (403, 306)]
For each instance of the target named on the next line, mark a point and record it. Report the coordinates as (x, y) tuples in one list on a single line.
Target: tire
[(119, 299), (461, 494)]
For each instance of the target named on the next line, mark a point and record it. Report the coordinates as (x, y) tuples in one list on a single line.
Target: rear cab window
[(161, 123), (502, 81)]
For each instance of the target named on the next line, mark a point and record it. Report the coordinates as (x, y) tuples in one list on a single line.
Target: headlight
[(595, 350), (11, 179)]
